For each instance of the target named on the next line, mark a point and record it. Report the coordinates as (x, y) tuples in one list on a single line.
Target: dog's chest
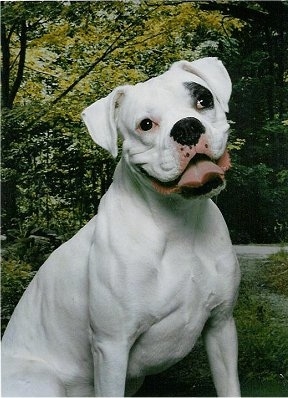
[(185, 290)]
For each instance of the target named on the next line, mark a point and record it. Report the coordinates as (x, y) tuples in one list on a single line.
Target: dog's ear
[(100, 119), (214, 73)]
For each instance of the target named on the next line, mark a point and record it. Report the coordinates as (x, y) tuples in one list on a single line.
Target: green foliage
[(258, 185), (16, 276), (32, 246)]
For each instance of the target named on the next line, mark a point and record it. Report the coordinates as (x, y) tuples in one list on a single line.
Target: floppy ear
[(214, 73), (100, 120)]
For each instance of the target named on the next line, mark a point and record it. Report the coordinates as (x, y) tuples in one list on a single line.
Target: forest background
[(59, 57)]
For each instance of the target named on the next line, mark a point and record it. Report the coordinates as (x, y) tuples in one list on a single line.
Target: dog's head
[(174, 127)]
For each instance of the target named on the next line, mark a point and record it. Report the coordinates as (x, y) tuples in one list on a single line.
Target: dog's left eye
[(146, 125)]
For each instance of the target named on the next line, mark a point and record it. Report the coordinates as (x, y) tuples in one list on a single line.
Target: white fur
[(131, 292)]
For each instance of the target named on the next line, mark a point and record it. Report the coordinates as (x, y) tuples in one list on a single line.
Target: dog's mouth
[(201, 176)]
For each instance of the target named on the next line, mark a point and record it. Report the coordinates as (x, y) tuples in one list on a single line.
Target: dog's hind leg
[(31, 378)]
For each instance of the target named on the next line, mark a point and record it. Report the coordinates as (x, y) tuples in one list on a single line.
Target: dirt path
[(258, 251)]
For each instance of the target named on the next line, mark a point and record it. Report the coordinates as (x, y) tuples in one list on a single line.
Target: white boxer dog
[(131, 292)]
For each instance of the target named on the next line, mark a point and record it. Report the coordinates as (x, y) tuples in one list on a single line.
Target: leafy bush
[(30, 245), (16, 276)]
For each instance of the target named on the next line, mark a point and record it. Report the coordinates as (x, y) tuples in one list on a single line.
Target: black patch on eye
[(201, 94)]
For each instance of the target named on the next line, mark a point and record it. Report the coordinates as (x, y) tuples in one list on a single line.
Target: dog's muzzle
[(201, 174)]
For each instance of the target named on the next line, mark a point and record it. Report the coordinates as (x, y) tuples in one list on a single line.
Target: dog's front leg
[(222, 347), (110, 366)]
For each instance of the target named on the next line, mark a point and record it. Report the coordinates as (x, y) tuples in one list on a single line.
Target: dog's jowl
[(131, 292)]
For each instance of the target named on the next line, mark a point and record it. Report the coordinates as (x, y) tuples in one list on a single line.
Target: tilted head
[(174, 127)]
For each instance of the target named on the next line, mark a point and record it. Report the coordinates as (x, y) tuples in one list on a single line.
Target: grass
[(276, 273), (262, 318)]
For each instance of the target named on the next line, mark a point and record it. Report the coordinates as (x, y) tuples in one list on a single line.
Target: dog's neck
[(144, 192)]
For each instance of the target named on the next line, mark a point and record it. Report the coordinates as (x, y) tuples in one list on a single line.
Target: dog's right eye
[(146, 124)]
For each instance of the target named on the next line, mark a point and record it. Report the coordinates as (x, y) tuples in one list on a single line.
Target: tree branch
[(42, 72), (269, 14), (112, 47), (5, 70), (109, 50), (21, 64)]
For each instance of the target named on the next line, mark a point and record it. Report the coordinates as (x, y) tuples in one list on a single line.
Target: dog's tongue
[(203, 171)]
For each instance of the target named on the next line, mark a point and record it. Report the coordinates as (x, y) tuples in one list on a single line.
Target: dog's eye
[(146, 124), (204, 102), (200, 104)]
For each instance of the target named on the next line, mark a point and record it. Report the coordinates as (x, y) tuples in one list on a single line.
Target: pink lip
[(199, 172)]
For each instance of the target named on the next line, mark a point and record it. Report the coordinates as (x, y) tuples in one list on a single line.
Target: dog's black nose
[(187, 131)]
